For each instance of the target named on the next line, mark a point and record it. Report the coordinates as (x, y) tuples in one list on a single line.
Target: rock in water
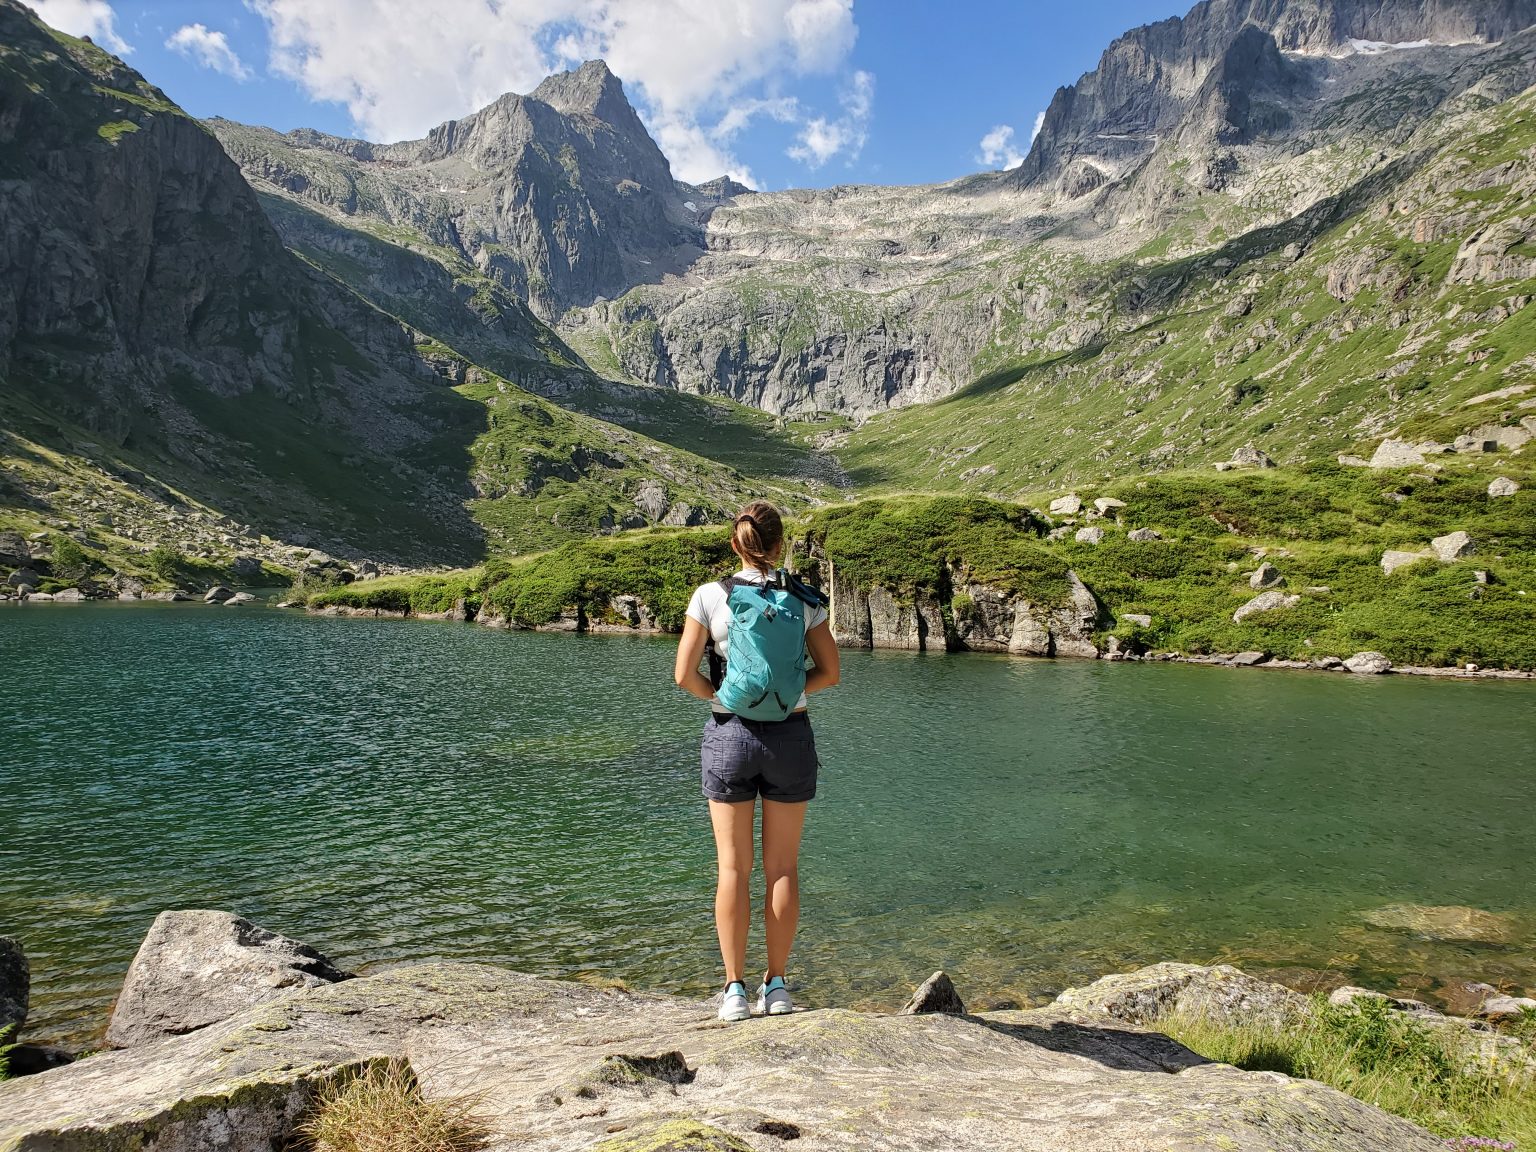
[(196, 968), (1445, 922), (1221, 994), (1503, 486), (1452, 546), (935, 994), (15, 983), (1368, 664), (1270, 601), (217, 594)]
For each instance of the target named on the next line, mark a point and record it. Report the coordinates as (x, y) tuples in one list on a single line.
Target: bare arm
[(823, 650), (690, 649)]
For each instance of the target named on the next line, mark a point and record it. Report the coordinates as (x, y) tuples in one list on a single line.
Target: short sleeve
[(696, 609), (815, 617)]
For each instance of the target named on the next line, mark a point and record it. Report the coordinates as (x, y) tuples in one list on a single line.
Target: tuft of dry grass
[(383, 1110)]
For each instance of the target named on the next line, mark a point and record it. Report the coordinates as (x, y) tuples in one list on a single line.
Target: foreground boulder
[(1222, 994), (936, 994), (15, 983), (565, 1067), (196, 968)]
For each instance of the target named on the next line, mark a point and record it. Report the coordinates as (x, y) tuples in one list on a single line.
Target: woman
[(744, 759)]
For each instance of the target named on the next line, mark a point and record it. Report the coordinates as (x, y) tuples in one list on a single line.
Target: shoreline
[(1229, 660)]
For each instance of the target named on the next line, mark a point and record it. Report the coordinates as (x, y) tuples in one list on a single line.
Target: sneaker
[(734, 1006), (773, 998)]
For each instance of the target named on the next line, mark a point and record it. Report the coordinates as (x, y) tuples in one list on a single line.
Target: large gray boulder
[(542, 1056), (1222, 994), (196, 968), (1452, 546), (1397, 454), (1266, 575), (15, 983), (1393, 559), (935, 994), (1503, 486), (1368, 664), (1272, 601)]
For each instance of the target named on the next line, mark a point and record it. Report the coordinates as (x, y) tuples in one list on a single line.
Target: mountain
[(1290, 222), (170, 371)]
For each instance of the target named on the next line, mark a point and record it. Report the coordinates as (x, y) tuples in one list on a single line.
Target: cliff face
[(1150, 78)]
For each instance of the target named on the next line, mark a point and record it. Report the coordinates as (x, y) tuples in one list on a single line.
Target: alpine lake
[(395, 791)]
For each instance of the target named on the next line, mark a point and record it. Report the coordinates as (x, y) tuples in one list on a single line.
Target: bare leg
[(782, 825), (733, 908)]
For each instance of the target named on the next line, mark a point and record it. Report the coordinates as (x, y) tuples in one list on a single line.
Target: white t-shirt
[(710, 608)]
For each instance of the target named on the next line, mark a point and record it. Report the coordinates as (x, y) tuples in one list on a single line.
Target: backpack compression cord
[(765, 674)]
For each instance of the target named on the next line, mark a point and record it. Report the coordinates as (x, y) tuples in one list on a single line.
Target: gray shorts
[(745, 759)]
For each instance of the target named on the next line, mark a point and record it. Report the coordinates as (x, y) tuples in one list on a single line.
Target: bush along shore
[(1323, 566), (229, 1034)]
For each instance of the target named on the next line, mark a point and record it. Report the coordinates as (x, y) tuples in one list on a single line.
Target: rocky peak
[(1150, 78), (590, 90)]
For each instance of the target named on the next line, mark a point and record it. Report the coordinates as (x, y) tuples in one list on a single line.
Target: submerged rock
[(1445, 922), (196, 968), (15, 983), (1051, 1078)]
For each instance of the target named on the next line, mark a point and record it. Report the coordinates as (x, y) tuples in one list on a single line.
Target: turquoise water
[(391, 790)]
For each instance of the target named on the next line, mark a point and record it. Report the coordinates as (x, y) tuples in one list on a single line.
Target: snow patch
[(1378, 47)]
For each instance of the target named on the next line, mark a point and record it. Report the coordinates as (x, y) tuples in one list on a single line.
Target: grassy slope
[(1184, 380), (1323, 526)]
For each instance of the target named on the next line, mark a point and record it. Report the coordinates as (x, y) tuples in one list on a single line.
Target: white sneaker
[(773, 998), (734, 1006)]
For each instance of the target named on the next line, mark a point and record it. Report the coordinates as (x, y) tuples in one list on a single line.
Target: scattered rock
[(1143, 535), (1475, 444), (217, 594), (1248, 659), (935, 995), (1397, 454), (1328, 663), (651, 499), (1368, 664), (1506, 1007), (1503, 486), (1222, 994), (1224, 466), (1266, 576), (1090, 535), (15, 983), (1069, 505), (1270, 601), (239, 598), (1141, 619), (1450, 922), (1452, 546), (1392, 560), (199, 967), (1107, 504), (1251, 457), (1354, 462), (1349, 994), (69, 595)]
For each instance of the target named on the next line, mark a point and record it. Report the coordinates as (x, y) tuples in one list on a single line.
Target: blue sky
[(783, 93)]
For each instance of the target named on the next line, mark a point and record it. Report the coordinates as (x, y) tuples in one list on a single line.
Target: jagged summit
[(1148, 79), (592, 90)]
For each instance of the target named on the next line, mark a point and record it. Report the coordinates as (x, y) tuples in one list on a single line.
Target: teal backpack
[(765, 673)]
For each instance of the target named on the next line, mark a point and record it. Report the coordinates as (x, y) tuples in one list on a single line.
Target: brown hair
[(758, 534)]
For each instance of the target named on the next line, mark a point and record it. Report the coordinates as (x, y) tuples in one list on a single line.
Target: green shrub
[(71, 562), (164, 562), (1437, 1077)]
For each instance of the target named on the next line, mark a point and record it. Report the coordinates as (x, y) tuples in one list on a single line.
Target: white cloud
[(93, 18), (998, 150), (1039, 124), (688, 63), (821, 139), (210, 49)]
